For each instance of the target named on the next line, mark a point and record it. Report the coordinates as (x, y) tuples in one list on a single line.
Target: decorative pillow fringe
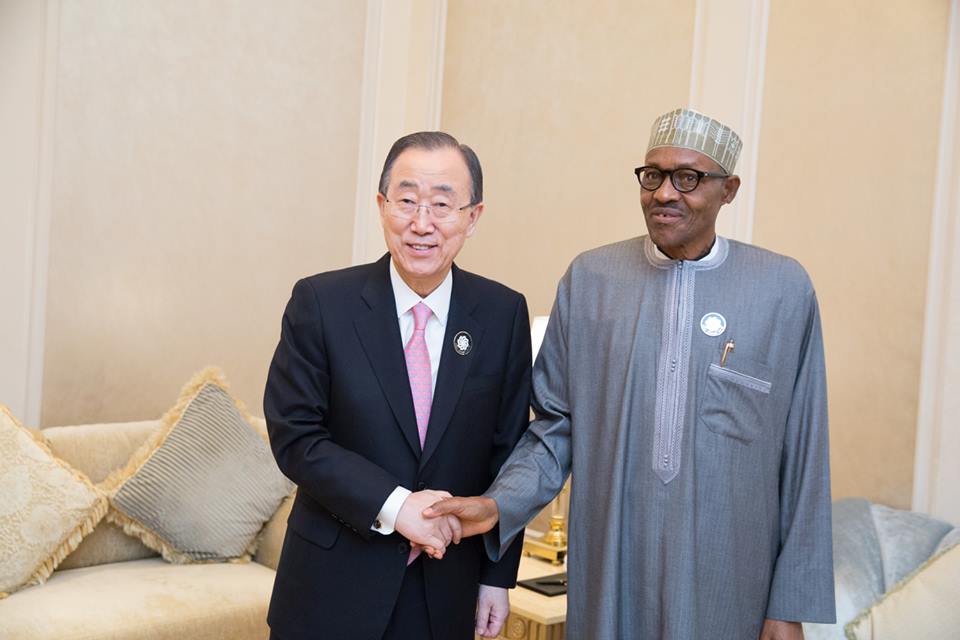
[(151, 539), (209, 375), (82, 530), (112, 484), (849, 630), (69, 544)]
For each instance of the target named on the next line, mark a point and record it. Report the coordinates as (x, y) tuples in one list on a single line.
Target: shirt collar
[(406, 298), (716, 257), (712, 254)]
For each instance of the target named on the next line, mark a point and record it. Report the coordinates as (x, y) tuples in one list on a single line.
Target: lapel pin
[(713, 324), (462, 343)]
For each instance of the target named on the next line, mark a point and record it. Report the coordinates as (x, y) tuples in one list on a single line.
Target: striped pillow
[(201, 488)]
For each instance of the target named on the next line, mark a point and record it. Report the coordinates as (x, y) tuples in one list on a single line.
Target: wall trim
[(47, 122), (931, 492), (436, 61), (401, 91), (363, 218), (728, 64)]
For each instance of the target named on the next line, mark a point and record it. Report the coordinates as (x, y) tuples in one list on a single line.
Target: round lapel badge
[(462, 343), (713, 324)]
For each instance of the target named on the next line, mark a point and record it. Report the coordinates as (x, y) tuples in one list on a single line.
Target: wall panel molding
[(726, 82), (401, 93), (29, 35), (936, 473), (41, 239)]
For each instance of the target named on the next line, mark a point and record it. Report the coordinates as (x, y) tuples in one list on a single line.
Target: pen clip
[(727, 348)]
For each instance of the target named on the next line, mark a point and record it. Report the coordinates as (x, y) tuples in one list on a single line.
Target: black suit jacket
[(342, 427)]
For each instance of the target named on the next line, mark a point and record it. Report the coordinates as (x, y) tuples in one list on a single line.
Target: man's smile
[(421, 247), (665, 214)]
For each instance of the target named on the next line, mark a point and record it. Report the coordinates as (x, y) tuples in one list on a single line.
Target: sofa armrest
[(271, 538)]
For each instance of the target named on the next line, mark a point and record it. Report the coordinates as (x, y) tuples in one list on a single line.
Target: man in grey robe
[(681, 380)]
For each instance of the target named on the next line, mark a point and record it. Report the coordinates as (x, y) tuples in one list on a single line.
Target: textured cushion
[(907, 540), (202, 487), (98, 450), (143, 600), (46, 507), (924, 605), (874, 546)]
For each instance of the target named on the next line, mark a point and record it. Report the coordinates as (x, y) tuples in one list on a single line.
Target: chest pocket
[(736, 402)]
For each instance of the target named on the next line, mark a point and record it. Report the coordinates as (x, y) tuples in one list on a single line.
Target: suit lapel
[(379, 334), (453, 366)]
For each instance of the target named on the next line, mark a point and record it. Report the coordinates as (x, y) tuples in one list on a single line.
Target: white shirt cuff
[(387, 518)]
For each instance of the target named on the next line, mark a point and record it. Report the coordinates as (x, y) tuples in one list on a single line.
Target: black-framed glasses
[(439, 212), (683, 180)]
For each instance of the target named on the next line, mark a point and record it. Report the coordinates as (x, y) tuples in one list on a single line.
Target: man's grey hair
[(434, 140)]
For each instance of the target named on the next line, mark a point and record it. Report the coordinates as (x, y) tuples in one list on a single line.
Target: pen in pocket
[(727, 348)]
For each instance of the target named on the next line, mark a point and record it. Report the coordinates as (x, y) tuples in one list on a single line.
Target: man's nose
[(666, 192), (422, 220)]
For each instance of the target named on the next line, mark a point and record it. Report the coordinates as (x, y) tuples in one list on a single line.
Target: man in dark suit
[(395, 383)]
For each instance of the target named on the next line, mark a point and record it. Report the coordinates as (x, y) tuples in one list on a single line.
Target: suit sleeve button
[(403, 548), (421, 486)]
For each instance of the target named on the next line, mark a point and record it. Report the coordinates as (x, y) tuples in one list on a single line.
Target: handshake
[(431, 520)]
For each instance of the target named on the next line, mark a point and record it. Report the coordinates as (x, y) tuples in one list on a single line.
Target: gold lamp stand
[(553, 545)]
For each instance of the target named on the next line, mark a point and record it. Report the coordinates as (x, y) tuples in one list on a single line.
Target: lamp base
[(553, 553)]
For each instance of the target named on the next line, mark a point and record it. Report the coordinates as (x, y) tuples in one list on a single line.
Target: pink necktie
[(418, 369), (421, 379)]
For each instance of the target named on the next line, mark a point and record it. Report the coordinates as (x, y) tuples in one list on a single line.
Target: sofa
[(112, 586), (895, 574)]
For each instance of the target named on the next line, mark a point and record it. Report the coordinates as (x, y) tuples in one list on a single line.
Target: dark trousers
[(410, 619)]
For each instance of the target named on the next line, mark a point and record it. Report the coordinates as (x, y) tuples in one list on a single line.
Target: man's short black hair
[(434, 140)]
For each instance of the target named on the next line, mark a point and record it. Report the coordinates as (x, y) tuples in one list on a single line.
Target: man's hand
[(781, 630), (476, 515), (493, 605), (433, 534)]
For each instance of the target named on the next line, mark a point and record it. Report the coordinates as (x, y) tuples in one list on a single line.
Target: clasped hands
[(431, 520)]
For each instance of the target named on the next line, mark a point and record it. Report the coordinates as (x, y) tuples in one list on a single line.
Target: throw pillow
[(201, 488), (923, 605), (46, 507)]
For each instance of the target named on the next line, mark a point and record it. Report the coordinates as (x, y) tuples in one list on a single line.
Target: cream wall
[(558, 105), (205, 157), (201, 159), (848, 160)]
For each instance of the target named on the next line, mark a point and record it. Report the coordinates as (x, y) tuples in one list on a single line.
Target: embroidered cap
[(692, 130)]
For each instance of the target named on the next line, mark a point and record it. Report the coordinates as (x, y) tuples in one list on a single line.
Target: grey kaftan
[(701, 495)]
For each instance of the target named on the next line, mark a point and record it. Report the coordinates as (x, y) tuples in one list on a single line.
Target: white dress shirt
[(439, 303)]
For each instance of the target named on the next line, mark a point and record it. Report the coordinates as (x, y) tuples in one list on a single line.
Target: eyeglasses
[(439, 212), (683, 180)]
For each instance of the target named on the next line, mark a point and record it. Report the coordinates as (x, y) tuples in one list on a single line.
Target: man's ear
[(730, 187), (473, 217), (381, 205)]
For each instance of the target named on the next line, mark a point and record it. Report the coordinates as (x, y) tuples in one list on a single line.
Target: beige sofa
[(113, 587)]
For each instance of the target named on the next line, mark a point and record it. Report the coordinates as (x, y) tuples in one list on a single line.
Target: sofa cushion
[(98, 450), (271, 538), (923, 605), (46, 507), (873, 547), (143, 599), (201, 487), (907, 539)]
